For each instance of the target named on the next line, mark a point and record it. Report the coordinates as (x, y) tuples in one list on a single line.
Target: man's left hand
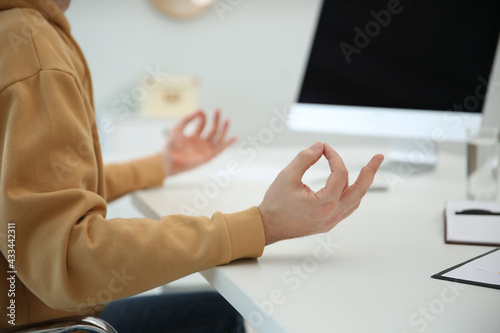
[(183, 152)]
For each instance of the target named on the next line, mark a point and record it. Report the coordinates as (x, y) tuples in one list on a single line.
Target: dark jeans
[(200, 312)]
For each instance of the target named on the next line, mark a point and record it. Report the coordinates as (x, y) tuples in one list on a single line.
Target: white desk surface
[(371, 273)]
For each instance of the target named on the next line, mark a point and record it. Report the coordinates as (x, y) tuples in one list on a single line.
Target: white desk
[(371, 273)]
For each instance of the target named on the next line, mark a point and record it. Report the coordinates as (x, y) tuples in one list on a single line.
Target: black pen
[(477, 212)]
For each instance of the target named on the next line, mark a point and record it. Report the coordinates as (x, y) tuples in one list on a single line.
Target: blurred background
[(248, 57), (245, 57)]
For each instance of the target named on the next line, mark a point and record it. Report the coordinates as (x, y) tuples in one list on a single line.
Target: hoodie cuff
[(152, 173), (246, 233)]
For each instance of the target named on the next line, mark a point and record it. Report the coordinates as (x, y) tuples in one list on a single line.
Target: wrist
[(270, 232), (166, 164)]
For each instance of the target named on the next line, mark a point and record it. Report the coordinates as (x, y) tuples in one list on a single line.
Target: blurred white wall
[(249, 59)]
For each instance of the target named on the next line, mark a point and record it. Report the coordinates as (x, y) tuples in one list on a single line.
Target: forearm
[(80, 253), (123, 178)]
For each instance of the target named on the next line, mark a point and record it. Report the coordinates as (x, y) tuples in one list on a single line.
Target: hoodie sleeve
[(123, 178), (52, 187)]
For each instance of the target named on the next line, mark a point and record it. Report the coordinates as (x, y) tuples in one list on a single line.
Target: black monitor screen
[(411, 54)]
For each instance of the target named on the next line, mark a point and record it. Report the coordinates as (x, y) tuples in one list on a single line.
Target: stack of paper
[(472, 222)]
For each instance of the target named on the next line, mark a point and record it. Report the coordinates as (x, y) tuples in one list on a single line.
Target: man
[(67, 258)]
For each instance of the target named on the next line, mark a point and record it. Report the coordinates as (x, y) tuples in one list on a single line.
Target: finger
[(346, 184), (227, 143), (201, 124), (354, 193), (303, 161), (338, 179), (181, 125), (222, 135), (348, 213), (337, 219), (367, 174), (215, 125)]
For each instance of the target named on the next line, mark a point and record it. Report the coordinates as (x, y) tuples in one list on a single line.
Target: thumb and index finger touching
[(182, 124), (296, 169), (337, 182)]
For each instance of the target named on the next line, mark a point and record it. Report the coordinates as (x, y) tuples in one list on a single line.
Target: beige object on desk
[(174, 97)]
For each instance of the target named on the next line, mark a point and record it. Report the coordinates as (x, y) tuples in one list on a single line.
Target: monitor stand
[(406, 158), (410, 156)]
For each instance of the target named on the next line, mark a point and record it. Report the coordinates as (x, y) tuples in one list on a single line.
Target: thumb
[(303, 161)]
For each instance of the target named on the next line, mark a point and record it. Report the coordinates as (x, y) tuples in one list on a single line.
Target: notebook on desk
[(472, 222)]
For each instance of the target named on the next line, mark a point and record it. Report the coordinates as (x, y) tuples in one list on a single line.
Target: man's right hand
[(291, 209)]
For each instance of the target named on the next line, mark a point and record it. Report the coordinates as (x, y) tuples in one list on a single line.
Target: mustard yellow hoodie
[(67, 258)]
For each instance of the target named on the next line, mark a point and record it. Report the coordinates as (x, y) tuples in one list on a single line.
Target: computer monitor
[(414, 70)]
